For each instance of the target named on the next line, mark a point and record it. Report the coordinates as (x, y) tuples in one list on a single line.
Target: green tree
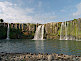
[(1, 20)]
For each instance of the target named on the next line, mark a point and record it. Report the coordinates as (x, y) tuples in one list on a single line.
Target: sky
[(39, 11)]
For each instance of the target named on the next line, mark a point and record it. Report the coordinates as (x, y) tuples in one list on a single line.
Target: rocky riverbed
[(37, 57)]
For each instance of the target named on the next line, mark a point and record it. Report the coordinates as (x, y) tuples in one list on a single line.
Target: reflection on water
[(41, 46)]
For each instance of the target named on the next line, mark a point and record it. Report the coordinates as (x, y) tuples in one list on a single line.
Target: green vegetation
[(22, 34), (3, 32), (51, 31), (15, 33)]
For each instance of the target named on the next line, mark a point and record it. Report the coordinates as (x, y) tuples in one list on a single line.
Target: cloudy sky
[(39, 11)]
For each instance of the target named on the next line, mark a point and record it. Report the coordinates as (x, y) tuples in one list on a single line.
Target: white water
[(78, 30), (8, 32), (66, 38), (63, 32), (42, 32), (39, 33), (66, 31)]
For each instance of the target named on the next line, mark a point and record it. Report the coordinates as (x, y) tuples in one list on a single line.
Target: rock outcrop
[(52, 30)]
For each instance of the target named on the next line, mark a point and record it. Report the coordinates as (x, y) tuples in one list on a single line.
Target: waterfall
[(39, 33), (71, 29), (78, 30), (8, 32), (63, 31), (42, 32), (66, 38)]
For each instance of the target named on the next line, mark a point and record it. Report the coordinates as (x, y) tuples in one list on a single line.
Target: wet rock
[(49, 57), (0, 58), (56, 56), (59, 57), (74, 59), (39, 57), (66, 57)]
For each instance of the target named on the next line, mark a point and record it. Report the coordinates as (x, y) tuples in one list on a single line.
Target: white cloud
[(11, 13), (78, 12)]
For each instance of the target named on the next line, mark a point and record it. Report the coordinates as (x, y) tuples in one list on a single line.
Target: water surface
[(69, 47)]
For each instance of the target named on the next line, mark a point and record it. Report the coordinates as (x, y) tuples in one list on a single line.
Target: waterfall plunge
[(61, 37), (66, 32), (8, 32), (42, 32), (63, 32), (39, 33), (66, 38)]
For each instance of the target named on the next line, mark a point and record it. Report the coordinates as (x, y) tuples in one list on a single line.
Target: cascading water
[(8, 32), (66, 38), (68, 31), (62, 31), (39, 33), (78, 32), (42, 32), (71, 29)]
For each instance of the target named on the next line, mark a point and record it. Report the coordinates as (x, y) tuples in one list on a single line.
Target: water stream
[(8, 32), (39, 33)]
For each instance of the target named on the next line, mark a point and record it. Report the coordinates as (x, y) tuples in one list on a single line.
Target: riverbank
[(37, 57)]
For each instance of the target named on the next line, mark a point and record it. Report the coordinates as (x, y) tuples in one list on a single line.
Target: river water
[(70, 47)]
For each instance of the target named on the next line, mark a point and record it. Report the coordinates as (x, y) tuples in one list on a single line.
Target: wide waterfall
[(8, 32), (78, 30), (39, 33), (63, 31), (68, 31)]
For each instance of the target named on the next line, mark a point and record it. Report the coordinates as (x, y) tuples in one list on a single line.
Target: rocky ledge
[(37, 57)]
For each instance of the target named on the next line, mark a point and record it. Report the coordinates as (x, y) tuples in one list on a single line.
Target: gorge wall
[(55, 30), (52, 30), (17, 30)]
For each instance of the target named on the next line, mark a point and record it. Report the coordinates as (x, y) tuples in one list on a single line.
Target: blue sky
[(39, 11)]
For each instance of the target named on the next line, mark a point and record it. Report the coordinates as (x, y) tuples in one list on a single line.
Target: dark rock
[(0, 58)]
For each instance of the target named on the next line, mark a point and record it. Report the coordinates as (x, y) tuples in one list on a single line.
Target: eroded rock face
[(18, 30), (37, 57), (52, 30), (71, 28)]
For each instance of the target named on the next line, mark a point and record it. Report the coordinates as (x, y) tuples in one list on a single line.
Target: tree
[(1, 20)]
